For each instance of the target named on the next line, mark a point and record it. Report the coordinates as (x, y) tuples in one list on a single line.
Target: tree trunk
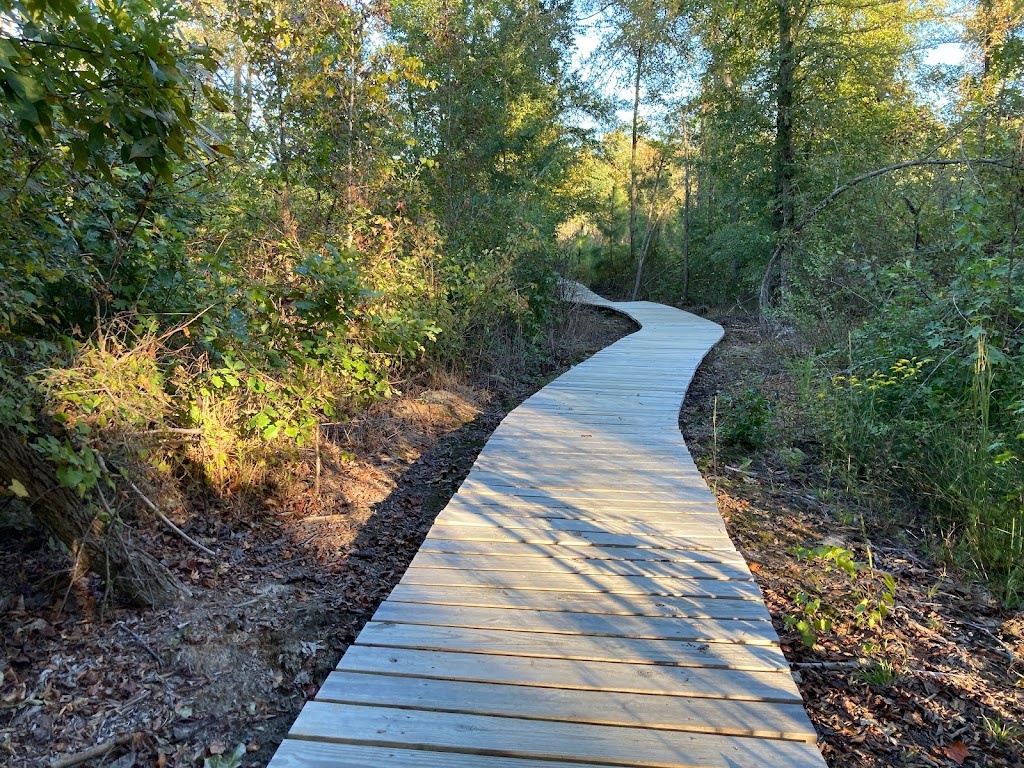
[(785, 88), (284, 198), (686, 226), (652, 224), (632, 155), (353, 121), (104, 548), (611, 231)]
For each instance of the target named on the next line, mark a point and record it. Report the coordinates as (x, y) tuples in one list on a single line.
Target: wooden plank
[(630, 432), (676, 713), (539, 739), (543, 565), (556, 622), (624, 677), (632, 466), (586, 506), (615, 482), (533, 449), (622, 469), (542, 603), (676, 653), (584, 552), (697, 493), (697, 540), (578, 485), (623, 444), (294, 753), (591, 583), (626, 409), (701, 515), (679, 526), (624, 440), (589, 463)]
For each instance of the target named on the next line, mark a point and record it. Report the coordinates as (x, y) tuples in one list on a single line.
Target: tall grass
[(955, 460)]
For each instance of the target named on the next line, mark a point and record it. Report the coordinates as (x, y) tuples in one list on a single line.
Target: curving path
[(578, 601)]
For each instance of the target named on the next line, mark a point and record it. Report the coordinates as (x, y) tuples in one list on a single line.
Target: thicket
[(808, 163), (227, 224)]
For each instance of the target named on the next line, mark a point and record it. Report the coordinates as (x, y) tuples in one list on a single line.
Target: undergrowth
[(933, 443)]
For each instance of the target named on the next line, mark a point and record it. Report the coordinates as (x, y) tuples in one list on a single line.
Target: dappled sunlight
[(578, 597)]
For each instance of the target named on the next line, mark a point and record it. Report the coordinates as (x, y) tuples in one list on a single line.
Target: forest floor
[(940, 680), (219, 679)]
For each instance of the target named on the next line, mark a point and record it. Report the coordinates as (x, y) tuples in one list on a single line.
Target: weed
[(868, 600), (808, 620), (825, 494), (746, 418), (880, 673), (792, 458), (936, 587), (1004, 733)]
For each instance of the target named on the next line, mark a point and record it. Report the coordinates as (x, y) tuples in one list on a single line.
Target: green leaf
[(232, 759), (97, 137), (259, 421), (25, 110), (147, 147), (26, 87)]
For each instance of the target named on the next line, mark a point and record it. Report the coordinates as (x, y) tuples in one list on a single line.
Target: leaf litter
[(939, 681), (218, 680)]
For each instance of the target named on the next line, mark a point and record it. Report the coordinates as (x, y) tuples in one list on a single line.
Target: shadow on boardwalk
[(578, 600)]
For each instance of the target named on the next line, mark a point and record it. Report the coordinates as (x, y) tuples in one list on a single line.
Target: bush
[(744, 418)]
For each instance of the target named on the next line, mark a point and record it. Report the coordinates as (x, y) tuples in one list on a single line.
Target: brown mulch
[(297, 573), (940, 681)]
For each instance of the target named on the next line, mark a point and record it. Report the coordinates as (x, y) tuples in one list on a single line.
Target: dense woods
[(806, 160), (231, 228), (227, 224)]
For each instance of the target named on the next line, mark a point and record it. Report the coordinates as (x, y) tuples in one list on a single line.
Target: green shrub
[(744, 418)]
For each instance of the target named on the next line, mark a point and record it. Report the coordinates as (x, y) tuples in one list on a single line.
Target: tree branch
[(825, 202), (835, 193)]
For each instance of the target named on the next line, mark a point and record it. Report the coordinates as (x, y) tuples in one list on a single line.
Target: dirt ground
[(939, 681), (219, 679)]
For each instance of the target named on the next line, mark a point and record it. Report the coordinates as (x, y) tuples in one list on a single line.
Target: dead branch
[(93, 752), (825, 202), (156, 511), (156, 657), (168, 431)]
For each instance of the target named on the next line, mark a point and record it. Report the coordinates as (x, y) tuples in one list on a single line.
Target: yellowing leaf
[(18, 489)]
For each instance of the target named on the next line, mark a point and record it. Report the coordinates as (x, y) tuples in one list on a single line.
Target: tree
[(796, 93), (94, 97), (649, 40)]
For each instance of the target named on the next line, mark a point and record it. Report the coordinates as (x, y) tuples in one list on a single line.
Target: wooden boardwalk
[(577, 603)]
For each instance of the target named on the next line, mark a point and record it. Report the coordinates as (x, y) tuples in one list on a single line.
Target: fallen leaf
[(957, 752)]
